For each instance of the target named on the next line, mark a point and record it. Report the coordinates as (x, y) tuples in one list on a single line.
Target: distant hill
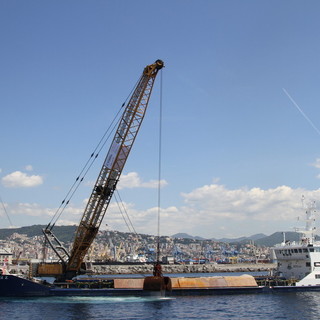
[(229, 240), (257, 236), (259, 239), (66, 233), (243, 239), (186, 236), (277, 237), (63, 233)]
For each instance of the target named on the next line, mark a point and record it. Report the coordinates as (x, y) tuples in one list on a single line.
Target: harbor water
[(303, 305), (267, 306)]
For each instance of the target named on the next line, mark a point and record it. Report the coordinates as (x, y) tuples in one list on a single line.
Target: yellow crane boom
[(110, 173)]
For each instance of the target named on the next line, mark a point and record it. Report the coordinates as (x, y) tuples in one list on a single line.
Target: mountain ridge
[(240, 239), (65, 234)]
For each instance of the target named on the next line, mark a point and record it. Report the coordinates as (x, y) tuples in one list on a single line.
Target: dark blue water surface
[(303, 305), (266, 306)]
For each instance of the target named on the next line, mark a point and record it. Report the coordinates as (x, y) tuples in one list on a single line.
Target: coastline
[(183, 268)]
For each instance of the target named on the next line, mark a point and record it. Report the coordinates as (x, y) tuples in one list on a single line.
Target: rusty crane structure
[(71, 263)]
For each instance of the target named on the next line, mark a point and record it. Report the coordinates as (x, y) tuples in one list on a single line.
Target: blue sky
[(237, 154)]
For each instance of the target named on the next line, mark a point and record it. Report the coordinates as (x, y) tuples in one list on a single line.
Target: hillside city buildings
[(113, 246)]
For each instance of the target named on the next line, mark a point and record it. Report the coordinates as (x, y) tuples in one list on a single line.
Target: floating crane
[(71, 263)]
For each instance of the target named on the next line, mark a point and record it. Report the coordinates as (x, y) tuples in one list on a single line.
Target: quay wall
[(183, 268)]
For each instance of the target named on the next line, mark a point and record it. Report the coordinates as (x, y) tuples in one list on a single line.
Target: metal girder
[(112, 167)]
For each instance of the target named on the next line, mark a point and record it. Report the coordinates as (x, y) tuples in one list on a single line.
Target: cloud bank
[(214, 211), (210, 211), (132, 180), (20, 179)]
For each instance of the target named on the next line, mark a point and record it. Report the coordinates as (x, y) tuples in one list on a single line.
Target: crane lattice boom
[(112, 167)]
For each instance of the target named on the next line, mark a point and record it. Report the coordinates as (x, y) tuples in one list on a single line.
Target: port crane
[(126, 132)]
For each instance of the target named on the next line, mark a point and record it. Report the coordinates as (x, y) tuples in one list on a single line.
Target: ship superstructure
[(299, 261)]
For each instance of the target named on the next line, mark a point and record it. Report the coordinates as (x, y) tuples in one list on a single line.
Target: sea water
[(266, 306), (302, 305)]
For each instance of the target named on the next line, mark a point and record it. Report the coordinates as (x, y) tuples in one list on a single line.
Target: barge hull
[(13, 286)]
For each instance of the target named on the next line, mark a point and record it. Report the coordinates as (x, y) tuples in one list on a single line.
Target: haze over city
[(239, 104)]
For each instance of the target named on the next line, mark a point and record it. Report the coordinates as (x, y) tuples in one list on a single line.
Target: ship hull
[(13, 286)]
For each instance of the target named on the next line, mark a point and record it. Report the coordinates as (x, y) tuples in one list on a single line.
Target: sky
[(239, 99)]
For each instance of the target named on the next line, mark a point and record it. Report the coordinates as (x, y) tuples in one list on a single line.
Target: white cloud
[(25, 211), (212, 211), (316, 164), (20, 179), (258, 204), (215, 211), (144, 221), (30, 209), (243, 211), (29, 167), (132, 180), (74, 211), (63, 222)]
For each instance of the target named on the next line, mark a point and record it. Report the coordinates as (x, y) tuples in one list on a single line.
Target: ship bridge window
[(296, 250), (311, 249), (305, 250), (317, 264), (317, 276), (308, 264), (300, 250)]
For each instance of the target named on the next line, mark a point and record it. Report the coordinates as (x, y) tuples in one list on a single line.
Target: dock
[(183, 268)]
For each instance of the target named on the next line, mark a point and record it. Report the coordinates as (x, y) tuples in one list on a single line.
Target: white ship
[(299, 261)]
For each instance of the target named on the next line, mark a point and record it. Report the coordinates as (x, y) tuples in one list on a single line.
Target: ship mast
[(308, 234)]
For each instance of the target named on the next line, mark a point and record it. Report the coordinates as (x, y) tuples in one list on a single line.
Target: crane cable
[(125, 217), (94, 155), (6, 212), (88, 164), (119, 201), (159, 169)]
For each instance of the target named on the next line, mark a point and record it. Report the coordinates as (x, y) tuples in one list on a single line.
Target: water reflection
[(273, 306)]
